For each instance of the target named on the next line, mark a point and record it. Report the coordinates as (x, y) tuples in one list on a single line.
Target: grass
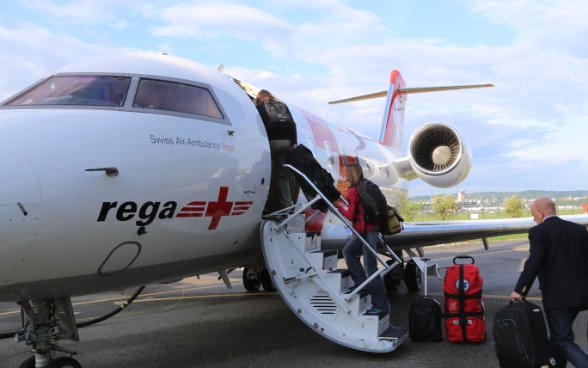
[(424, 217), (492, 215)]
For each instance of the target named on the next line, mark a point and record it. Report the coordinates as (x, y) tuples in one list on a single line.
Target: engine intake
[(438, 155)]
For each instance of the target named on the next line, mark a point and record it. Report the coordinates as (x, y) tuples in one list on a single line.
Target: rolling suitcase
[(302, 159), (462, 300), (520, 336), (424, 320)]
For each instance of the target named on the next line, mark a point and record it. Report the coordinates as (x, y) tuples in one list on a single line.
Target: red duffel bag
[(463, 304)]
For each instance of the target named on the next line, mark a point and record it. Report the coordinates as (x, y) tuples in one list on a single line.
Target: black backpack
[(375, 208), (277, 112)]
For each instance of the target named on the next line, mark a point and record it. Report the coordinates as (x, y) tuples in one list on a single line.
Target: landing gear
[(393, 278), (251, 280), (266, 280), (412, 277), (45, 322), (64, 362), (254, 279), (61, 362), (29, 363)]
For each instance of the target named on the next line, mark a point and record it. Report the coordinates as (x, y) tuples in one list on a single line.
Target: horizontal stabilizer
[(410, 90)]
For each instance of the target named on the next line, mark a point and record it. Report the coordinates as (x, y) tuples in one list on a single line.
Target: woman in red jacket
[(354, 248)]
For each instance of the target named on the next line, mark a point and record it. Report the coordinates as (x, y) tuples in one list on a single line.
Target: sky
[(529, 132)]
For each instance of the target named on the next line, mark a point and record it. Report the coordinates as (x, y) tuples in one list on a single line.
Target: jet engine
[(438, 155)]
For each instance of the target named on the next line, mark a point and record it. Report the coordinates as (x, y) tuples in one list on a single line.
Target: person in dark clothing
[(355, 248), (282, 138), (559, 258)]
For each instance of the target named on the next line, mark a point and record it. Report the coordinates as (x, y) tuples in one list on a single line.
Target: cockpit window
[(176, 97), (88, 90)]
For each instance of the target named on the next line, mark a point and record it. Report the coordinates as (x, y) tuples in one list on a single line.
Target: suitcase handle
[(463, 257)]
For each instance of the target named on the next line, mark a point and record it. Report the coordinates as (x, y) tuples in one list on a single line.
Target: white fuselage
[(187, 199)]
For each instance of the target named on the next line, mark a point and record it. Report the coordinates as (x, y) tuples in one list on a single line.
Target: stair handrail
[(381, 271)]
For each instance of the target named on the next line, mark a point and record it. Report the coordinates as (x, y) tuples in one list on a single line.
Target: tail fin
[(393, 123)]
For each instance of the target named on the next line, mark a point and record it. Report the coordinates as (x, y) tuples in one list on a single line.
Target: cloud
[(83, 12), (311, 52)]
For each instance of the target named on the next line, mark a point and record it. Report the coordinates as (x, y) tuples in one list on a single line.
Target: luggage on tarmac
[(520, 336), (462, 300), (424, 321), (302, 159), (424, 318)]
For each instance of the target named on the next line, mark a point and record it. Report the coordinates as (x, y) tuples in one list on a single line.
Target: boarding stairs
[(316, 290)]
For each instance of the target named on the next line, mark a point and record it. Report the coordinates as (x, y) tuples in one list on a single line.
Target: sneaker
[(373, 311)]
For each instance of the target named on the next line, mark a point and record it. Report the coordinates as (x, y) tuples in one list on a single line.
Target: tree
[(514, 206), (443, 205), (411, 209)]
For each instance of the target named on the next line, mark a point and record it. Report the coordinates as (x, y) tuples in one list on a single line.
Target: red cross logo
[(215, 209), (218, 209)]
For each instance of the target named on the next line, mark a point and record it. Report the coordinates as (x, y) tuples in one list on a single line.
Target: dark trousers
[(281, 175), (561, 336), (352, 251)]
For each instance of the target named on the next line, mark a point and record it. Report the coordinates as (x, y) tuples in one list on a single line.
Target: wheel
[(392, 278), (61, 362), (64, 362), (266, 280), (412, 277), (29, 363), (251, 280)]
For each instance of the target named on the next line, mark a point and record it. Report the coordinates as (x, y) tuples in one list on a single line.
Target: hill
[(526, 194)]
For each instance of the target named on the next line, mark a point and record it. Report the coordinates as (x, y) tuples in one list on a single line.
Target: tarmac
[(198, 322)]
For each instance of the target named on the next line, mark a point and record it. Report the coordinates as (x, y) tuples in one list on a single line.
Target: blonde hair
[(354, 173)]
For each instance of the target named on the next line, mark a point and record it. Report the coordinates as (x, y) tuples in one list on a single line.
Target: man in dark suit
[(559, 257)]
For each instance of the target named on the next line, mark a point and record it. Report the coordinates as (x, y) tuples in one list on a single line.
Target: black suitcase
[(424, 318), (520, 336), (302, 159), (424, 322)]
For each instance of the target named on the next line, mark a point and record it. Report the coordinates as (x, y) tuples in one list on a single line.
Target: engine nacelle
[(438, 155)]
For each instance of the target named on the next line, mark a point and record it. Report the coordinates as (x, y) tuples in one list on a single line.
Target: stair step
[(311, 286), (329, 258), (395, 334), (338, 280)]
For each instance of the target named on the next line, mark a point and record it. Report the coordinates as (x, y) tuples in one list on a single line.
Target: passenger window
[(84, 90), (176, 97), (330, 156)]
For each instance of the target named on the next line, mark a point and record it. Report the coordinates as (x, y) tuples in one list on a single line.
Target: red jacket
[(354, 212)]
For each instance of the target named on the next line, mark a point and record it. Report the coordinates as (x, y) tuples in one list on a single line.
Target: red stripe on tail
[(393, 122)]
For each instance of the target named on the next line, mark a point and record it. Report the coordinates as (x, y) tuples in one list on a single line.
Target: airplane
[(139, 168)]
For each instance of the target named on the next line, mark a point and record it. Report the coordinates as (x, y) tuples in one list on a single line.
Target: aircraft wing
[(420, 234)]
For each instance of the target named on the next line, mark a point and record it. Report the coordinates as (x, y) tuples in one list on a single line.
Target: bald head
[(541, 208)]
